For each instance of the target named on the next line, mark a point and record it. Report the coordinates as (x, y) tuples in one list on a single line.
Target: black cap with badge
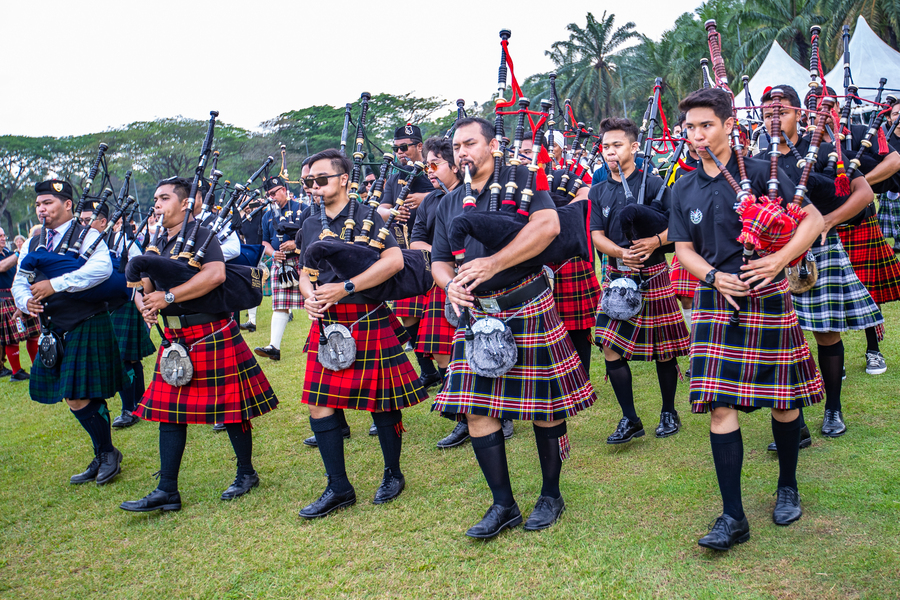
[(273, 182), (57, 187), (408, 132)]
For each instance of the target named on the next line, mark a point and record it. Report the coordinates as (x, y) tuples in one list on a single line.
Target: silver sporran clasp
[(337, 348)]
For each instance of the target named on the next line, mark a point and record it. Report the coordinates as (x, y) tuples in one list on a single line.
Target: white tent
[(870, 60), (777, 69)]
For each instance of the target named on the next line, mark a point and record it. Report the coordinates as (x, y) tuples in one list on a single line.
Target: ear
[(494, 145), (635, 147), (729, 124)]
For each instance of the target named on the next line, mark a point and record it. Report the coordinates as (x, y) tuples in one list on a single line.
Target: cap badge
[(57, 186)]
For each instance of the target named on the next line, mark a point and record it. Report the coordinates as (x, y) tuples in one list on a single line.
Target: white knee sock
[(251, 315), (279, 322), (688, 315)]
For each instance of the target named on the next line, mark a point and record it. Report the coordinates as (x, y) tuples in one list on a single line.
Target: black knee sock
[(413, 331), (667, 373), (426, 367), (242, 441), (95, 419), (831, 365), (581, 339), (331, 446), (787, 438), (728, 456), (390, 435), (620, 377), (127, 393), (872, 340), (172, 440), (341, 417), (138, 387), (490, 450), (547, 439), (443, 373)]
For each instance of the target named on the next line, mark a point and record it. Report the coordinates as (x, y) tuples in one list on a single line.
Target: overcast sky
[(81, 66)]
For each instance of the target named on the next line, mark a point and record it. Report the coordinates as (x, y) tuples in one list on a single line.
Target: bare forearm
[(443, 273), (695, 264), (605, 245), (861, 195), (885, 169)]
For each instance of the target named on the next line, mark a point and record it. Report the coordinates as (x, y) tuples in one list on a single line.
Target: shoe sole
[(532, 528), (457, 444), (640, 433), (835, 435), (227, 498), (665, 435), (514, 522), (786, 523), (740, 540), (312, 444), (164, 507), (82, 482), (264, 355), (124, 426), (876, 371), (328, 512)]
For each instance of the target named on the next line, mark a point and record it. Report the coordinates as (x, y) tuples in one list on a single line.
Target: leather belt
[(182, 321), (516, 297)]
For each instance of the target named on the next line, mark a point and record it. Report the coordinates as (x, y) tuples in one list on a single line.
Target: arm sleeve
[(678, 231), (95, 271), (231, 247), (598, 222)]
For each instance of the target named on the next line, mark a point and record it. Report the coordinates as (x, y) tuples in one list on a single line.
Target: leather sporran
[(622, 299), (802, 276), (50, 349), (175, 365), (337, 348), (493, 350)]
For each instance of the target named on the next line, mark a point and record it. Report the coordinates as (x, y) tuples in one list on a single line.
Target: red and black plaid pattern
[(382, 378), (658, 332), (9, 330), (132, 333), (410, 307), (547, 382), (763, 362), (872, 258), (577, 294), (285, 298), (435, 332), (228, 385), (683, 282), (399, 330)]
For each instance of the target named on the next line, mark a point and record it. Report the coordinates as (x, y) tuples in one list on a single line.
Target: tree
[(785, 21), (883, 16)]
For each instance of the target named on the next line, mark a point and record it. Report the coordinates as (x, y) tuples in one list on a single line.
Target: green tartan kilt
[(132, 333), (91, 366)]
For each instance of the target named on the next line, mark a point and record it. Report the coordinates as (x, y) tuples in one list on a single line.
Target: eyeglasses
[(369, 182), (433, 166), (321, 180), (402, 147), (84, 221), (271, 193)]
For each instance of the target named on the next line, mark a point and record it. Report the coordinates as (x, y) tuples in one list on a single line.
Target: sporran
[(175, 365), (337, 348), (492, 352), (50, 349), (622, 299), (802, 277)]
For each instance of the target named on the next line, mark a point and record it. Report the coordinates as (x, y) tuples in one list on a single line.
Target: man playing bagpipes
[(205, 373), (15, 326), (90, 368), (546, 383), (762, 360)]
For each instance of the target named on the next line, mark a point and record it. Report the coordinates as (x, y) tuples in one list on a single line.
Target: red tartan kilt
[(9, 330), (873, 260), (435, 332), (382, 378), (577, 294), (683, 282), (410, 307), (228, 385)]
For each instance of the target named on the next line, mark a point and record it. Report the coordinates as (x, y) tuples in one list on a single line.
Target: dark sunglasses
[(321, 180), (369, 182), (402, 147)]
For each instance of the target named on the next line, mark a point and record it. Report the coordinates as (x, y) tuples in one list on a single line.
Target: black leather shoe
[(506, 425), (242, 484), (805, 440), (248, 326), (20, 375), (110, 466), (89, 474), (390, 487), (155, 500), (219, 427), (496, 519), (311, 440), (669, 424), (269, 351), (430, 380), (626, 431), (546, 512), (328, 502), (725, 533), (373, 430), (126, 419), (787, 506), (5, 372), (833, 423), (457, 437)]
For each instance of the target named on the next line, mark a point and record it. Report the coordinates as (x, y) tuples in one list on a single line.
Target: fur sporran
[(493, 350), (175, 365), (337, 349), (802, 277), (50, 349), (622, 299)]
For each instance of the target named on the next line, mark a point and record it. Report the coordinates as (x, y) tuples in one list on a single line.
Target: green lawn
[(634, 513)]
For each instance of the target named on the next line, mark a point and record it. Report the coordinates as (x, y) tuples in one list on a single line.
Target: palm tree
[(785, 21), (883, 17)]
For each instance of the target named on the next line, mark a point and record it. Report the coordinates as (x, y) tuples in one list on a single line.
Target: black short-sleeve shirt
[(423, 229), (212, 254), (452, 205)]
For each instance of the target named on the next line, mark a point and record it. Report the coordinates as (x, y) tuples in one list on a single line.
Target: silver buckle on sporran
[(175, 365), (622, 299), (492, 352), (489, 305), (337, 351), (49, 349)]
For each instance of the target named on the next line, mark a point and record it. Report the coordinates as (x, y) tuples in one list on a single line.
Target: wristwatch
[(711, 277), (349, 287), (169, 297)]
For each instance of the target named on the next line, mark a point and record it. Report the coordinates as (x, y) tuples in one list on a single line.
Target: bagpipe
[(229, 220)]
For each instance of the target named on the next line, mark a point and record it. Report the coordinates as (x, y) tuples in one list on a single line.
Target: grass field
[(634, 513)]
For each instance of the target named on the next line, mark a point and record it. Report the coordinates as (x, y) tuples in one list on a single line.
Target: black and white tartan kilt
[(763, 362), (132, 333), (9, 330), (874, 261), (838, 301), (658, 332), (286, 298), (91, 366), (547, 383), (889, 217)]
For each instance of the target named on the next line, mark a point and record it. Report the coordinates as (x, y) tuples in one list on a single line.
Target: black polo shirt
[(252, 230), (212, 254), (452, 205), (703, 212), (423, 229), (608, 199)]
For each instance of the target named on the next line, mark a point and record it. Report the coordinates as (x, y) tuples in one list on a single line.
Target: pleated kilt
[(763, 362), (410, 307), (547, 382), (285, 298), (9, 330), (382, 378), (838, 301), (91, 366), (577, 294), (889, 217), (658, 332), (683, 282), (131, 332), (228, 386), (875, 263), (267, 284), (435, 332)]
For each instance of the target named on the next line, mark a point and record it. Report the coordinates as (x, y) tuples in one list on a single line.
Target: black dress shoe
[(833, 423), (546, 512), (311, 440), (155, 500), (669, 424), (506, 426), (242, 484), (110, 466), (328, 502), (126, 419), (428, 380), (390, 487), (805, 440), (89, 474), (373, 430), (219, 427), (20, 375), (726, 532), (457, 437), (787, 506), (269, 351), (5, 372), (496, 519), (248, 326), (626, 431)]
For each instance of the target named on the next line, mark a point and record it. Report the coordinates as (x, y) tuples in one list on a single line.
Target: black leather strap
[(182, 321), (519, 296)]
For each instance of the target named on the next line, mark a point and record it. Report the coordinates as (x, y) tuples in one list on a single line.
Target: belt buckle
[(489, 305), (173, 322)]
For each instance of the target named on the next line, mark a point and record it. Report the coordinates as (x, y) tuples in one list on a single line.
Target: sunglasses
[(321, 180), (84, 221), (433, 166), (402, 147), (369, 182)]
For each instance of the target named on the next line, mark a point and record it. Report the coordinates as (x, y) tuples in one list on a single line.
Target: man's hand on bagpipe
[(643, 248), (475, 272), (42, 290), (459, 296), (316, 307), (288, 246), (155, 302), (279, 255), (34, 307), (764, 269), (731, 286)]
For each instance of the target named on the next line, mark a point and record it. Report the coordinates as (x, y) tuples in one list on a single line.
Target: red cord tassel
[(882, 143), (841, 183)]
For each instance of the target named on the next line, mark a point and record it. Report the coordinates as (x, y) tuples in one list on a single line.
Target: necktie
[(50, 234)]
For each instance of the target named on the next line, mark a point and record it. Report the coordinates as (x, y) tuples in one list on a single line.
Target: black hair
[(620, 124), (440, 147), (340, 163), (305, 162), (718, 100), (180, 185), (790, 95), (681, 119), (487, 128)]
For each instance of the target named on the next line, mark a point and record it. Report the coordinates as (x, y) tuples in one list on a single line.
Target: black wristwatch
[(711, 277), (349, 287)]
